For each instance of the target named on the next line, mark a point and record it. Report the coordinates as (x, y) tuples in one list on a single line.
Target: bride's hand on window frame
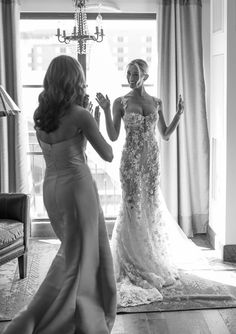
[(159, 105), (180, 106)]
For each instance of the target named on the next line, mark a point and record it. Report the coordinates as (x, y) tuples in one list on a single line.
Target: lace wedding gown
[(147, 243), (78, 294)]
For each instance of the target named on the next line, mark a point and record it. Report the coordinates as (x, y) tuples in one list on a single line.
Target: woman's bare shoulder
[(81, 117), (118, 100), (79, 113), (156, 100), (77, 110), (118, 106)]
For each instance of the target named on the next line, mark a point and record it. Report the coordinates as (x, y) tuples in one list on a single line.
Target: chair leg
[(22, 264)]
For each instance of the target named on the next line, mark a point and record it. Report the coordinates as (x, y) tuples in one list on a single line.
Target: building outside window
[(149, 39), (120, 39)]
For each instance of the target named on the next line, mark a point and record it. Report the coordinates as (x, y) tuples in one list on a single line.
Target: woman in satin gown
[(145, 236), (78, 294)]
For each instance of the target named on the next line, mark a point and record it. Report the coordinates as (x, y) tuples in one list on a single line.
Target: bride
[(145, 236)]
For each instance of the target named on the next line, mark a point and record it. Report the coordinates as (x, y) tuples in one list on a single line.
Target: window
[(105, 72), (120, 50), (120, 39)]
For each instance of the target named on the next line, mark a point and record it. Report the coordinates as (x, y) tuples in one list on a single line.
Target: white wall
[(222, 122), (218, 120), (230, 237)]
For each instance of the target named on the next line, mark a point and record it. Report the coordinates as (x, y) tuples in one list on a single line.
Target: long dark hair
[(64, 86)]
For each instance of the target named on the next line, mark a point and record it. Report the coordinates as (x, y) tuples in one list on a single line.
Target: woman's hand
[(86, 101), (87, 104), (180, 106), (103, 101), (97, 115)]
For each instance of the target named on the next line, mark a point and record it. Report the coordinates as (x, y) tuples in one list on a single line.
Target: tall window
[(105, 72)]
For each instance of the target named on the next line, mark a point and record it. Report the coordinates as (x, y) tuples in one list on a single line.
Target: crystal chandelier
[(80, 32)]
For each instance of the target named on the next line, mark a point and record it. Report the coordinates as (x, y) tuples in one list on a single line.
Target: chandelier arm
[(61, 39), (80, 32)]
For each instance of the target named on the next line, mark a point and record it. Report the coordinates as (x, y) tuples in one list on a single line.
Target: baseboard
[(229, 253), (43, 229), (226, 252), (211, 236)]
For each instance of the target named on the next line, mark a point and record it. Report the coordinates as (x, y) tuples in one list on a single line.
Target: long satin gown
[(148, 246), (78, 295)]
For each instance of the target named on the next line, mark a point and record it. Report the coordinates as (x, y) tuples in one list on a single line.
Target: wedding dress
[(147, 244), (78, 294)]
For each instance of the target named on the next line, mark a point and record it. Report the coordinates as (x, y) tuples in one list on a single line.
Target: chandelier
[(80, 32)]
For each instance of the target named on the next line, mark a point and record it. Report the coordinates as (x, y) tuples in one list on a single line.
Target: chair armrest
[(16, 206)]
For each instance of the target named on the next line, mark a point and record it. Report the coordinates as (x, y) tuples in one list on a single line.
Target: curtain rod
[(90, 16)]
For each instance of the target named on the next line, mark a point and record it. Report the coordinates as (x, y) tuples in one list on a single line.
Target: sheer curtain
[(185, 158), (13, 129)]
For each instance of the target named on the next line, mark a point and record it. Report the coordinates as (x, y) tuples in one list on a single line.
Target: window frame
[(67, 16)]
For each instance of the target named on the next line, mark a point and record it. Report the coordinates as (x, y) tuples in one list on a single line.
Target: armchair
[(14, 229)]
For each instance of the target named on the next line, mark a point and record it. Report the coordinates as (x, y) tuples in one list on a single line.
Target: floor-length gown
[(78, 295), (146, 241)]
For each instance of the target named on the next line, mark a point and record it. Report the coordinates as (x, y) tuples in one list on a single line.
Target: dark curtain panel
[(13, 129), (185, 158)]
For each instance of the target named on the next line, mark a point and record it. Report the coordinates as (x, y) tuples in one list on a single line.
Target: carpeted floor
[(212, 286), (15, 293)]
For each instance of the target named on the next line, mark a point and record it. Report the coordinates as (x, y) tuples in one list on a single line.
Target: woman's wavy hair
[(64, 86), (141, 65)]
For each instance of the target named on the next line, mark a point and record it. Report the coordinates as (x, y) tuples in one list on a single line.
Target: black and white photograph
[(117, 167)]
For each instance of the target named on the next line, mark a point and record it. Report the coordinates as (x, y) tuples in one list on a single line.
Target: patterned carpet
[(211, 286), (15, 293)]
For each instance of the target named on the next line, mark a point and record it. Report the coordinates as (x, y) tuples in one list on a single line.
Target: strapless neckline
[(137, 114)]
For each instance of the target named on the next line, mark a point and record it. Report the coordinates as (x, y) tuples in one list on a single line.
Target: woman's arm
[(165, 130), (112, 125), (90, 128)]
